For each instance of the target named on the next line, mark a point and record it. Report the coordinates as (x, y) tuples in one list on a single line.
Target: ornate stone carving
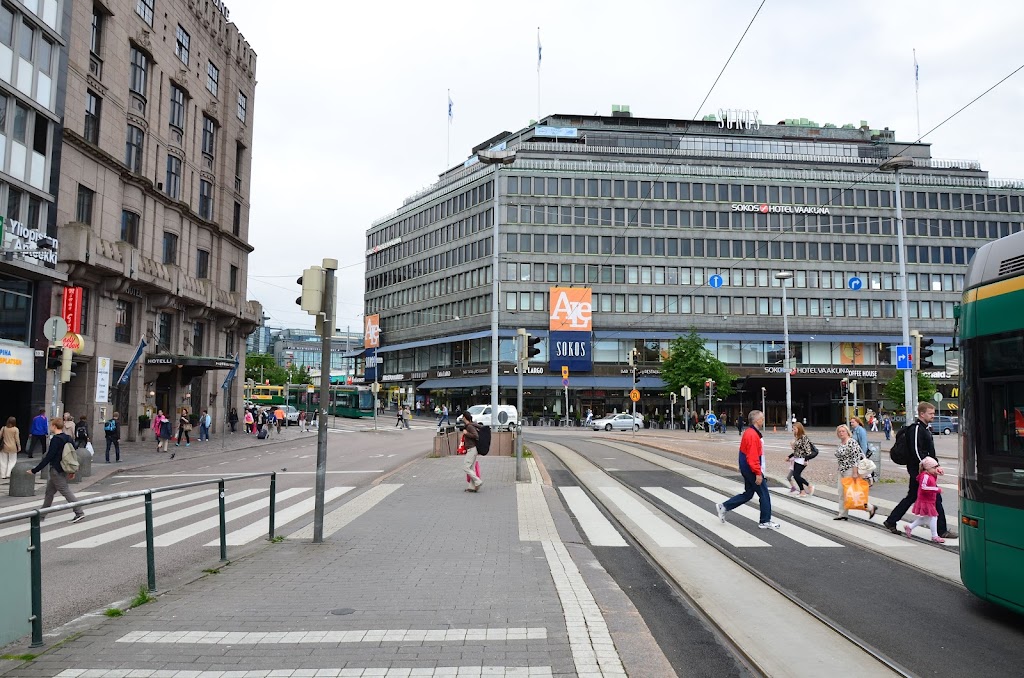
[(143, 38)]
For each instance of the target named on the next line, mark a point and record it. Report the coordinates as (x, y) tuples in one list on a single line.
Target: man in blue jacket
[(58, 480), (38, 433)]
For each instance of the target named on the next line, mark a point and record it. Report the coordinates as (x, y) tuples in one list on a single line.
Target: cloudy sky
[(351, 101)]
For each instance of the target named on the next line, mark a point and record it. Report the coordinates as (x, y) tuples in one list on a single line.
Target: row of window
[(453, 284), (15, 308), (631, 189), (24, 207), (454, 231), (401, 275), (24, 142), (463, 308), (28, 57), (440, 210)]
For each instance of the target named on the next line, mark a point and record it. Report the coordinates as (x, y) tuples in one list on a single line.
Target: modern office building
[(645, 213), (33, 45), (303, 348), (153, 209)]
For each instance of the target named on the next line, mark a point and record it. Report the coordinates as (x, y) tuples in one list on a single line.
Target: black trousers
[(798, 476), (913, 470)]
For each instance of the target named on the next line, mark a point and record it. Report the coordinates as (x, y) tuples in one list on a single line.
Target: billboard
[(571, 309), (570, 349), (71, 309), (371, 331)]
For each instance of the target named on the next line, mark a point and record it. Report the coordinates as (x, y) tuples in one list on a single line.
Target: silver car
[(291, 414), (618, 422)]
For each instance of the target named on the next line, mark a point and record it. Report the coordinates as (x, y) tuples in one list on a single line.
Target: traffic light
[(844, 387), (924, 353), (65, 366), (636, 378), (54, 355), (532, 349), (853, 389), (312, 282), (633, 357)]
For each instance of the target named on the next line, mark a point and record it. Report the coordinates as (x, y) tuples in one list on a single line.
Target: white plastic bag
[(89, 449)]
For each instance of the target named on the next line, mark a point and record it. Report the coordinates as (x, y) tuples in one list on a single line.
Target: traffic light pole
[(521, 355), (330, 266), (633, 427)]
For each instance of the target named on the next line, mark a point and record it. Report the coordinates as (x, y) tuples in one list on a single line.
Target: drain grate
[(342, 611)]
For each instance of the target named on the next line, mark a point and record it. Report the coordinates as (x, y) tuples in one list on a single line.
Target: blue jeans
[(204, 432), (750, 488)]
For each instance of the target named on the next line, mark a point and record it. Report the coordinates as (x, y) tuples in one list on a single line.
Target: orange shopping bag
[(855, 493)]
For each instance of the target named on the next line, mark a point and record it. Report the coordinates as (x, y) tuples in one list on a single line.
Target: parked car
[(945, 425), (508, 416), (291, 414), (619, 422)]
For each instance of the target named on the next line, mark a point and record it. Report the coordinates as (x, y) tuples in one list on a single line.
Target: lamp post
[(894, 165), (496, 158), (782, 277)]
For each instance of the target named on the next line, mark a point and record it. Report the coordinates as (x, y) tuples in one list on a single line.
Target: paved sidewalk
[(416, 578)]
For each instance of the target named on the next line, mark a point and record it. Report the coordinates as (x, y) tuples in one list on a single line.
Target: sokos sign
[(570, 349)]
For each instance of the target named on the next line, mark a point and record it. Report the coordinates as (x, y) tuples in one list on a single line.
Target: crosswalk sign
[(565, 371)]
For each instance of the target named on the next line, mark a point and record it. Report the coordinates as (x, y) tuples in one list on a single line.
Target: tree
[(260, 367), (298, 375), (893, 389), (690, 363)]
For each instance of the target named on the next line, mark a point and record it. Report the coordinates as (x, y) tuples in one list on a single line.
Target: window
[(6, 26), (83, 208), (144, 8), (198, 338), (123, 312), (177, 112), (130, 227), (243, 106), (233, 279), (205, 199), (133, 149), (212, 78), (164, 329), (181, 45), (96, 39), (173, 186), (139, 71), (170, 248), (202, 264), (236, 220), (92, 117), (25, 39), (239, 163), (209, 135)]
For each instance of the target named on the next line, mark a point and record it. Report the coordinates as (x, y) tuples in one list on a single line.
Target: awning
[(187, 366), (510, 381)]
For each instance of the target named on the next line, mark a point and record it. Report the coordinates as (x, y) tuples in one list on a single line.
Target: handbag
[(855, 493), (89, 449), (462, 445), (187, 427)]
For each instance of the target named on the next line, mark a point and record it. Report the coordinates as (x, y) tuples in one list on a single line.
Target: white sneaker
[(721, 511), (770, 525)]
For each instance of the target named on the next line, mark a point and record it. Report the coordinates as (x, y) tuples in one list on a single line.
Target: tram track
[(725, 631)]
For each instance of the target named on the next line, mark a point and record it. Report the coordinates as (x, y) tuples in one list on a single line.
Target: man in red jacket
[(751, 468)]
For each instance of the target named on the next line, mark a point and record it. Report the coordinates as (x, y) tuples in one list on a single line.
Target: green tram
[(353, 402), (992, 422)]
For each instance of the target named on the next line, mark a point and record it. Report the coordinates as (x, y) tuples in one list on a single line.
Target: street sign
[(711, 419), (565, 382), (716, 281), (634, 395), (937, 397), (54, 328), (856, 283), (904, 358), (565, 371)]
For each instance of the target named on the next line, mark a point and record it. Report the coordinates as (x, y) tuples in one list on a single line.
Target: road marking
[(342, 516), (535, 521), (441, 671), (226, 475), (730, 533), (35, 503), (598, 529), (140, 526), (332, 637), (53, 523), (663, 534), (292, 513)]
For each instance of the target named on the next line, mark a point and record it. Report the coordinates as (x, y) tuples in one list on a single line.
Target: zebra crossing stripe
[(140, 526), (375, 636), (728, 532), (256, 530), (35, 503), (345, 514), (198, 527), (663, 534), (61, 523), (599, 531)]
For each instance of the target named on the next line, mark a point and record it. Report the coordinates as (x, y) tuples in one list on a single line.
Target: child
[(927, 493)]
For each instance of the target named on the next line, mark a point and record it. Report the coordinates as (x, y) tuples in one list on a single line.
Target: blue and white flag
[(127, 372), (917, 74), (450, 107), (538, 49), (231, 375)]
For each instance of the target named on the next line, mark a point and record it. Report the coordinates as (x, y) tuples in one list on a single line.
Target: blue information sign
[(716, 281), (711, 419), (856, 283), (904, 358)]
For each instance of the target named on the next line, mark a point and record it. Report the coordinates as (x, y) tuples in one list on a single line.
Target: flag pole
[(917, 97), (538, 73), (448, 139)]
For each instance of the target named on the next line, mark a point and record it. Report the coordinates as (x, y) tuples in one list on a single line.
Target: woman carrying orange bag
[(853, 490)]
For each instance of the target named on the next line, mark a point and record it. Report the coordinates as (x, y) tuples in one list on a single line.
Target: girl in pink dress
[(927, 492)]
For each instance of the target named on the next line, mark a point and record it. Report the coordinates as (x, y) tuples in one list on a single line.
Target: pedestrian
[(69, 423), (444, 417), (112, 434), (874, 424), (10, 445), (316, 418), (250, 422), (860, 434), (184, 426), (278, 418), (204, 426), (398, 421), (848, 455), (928, 492), (590, 417), (693, 421), (741, 423), (37, 433), (58, 480), (81, 433), (406, 417), (887, 426), (302, 421), (233, 419), (751, 463), (802, 451), (470, 436), (920, 442), (162, 431)]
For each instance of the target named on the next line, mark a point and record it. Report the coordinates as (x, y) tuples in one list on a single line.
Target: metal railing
[(35, 533)]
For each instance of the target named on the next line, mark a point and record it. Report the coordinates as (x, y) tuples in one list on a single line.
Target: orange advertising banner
[(571, 309), (371, 331), (851, 353)]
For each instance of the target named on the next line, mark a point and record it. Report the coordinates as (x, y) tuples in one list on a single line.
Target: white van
[(508, 416)]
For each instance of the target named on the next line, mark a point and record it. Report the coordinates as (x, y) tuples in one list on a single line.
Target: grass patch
[(888, 481), (211, 570), (113, 612), (277, 540), (142, 598), (19, 657)]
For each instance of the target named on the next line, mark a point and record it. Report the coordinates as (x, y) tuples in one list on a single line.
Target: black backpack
[(483, 441), (900, 452), (81, 431)]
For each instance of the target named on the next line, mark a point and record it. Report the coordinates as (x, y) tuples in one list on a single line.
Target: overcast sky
[(351, 100)]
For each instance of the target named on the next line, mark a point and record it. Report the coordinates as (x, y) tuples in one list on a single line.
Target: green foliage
[(893, 389), (113, 612), (298, 375), (261, 366), (690, 363), (18, 657), (277, 539), (142, 598)]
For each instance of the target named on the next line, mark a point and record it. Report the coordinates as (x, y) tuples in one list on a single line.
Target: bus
[(991, 333)]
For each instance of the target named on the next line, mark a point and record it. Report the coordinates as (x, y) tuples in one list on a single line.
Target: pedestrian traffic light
[(636, 378), (924, 353), (531, 347), (312, 282), (844, 387), (65, 366), (54, 354)]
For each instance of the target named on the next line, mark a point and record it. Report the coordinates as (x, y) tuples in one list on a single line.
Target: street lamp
[(496, 158), (782, 277), (894, 165)]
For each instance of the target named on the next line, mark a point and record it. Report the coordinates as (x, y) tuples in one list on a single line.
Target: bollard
[(223, 523), (273, 504), (36, 568), (84, 466), (150, 554), (23, 484)]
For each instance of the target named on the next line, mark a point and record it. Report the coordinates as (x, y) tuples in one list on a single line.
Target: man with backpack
[(81, 432), (112, 433), (913, 444), (63, 462)]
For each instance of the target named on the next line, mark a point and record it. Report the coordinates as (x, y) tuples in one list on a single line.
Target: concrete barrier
[(84, 466), (23, 484), (502, 444)]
